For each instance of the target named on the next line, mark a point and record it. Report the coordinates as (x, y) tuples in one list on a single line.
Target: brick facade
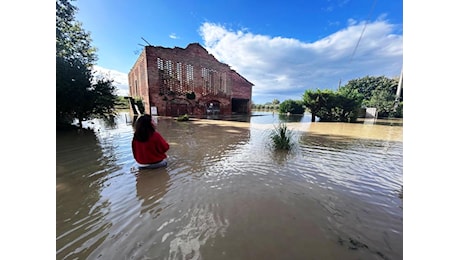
[(189, 81)]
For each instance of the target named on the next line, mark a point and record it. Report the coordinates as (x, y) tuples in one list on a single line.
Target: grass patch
[(281, 137)]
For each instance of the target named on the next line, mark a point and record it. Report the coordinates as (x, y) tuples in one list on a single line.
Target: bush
[(399, 111), (190, 95), (183, 118), (282, 137), (291, 106)]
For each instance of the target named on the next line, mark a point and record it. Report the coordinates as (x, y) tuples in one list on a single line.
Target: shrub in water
[(183, 118), (282, 137)]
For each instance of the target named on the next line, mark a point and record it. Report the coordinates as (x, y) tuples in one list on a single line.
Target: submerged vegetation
[(346, 103), (183, 118), (282, 137), (333, 106), (292, 107)]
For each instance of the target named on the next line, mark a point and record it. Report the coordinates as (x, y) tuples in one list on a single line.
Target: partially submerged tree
[(292, 107), (79, 95), (378, 92), (349, 103), (328, 105), (313, 101)]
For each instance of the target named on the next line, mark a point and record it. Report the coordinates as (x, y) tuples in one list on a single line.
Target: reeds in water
[(281, 137)]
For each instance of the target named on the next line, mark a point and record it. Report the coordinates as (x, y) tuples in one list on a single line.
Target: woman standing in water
[(148, 146)]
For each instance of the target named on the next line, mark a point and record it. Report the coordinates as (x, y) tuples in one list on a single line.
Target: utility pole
[(398, 90), (400, 85)]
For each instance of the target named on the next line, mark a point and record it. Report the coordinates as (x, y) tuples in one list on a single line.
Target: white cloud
[(284, 68), (120, 79), (173, 36)]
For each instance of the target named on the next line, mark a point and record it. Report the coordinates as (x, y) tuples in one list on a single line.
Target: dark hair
[(143, 128)]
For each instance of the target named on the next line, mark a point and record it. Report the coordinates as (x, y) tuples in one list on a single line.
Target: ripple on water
[(222, 182)]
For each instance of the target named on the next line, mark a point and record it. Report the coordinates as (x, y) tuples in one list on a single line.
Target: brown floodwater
[(227, 194)]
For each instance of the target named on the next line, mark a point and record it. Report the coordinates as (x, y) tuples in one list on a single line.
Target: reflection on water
[(226, 195), (151, 186)]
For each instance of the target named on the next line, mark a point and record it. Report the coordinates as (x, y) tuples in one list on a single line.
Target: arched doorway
[(213, 107), (178, 107)]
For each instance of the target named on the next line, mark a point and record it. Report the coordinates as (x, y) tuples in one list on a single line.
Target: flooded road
[(226, 194)]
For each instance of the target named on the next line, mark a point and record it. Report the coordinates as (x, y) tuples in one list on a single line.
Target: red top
[(152, 151)]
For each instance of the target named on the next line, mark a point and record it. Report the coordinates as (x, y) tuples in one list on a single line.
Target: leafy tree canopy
[(79, 94), (291, 106), (378, 92), (328, 105)]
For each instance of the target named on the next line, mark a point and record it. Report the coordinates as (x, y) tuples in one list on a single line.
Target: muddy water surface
[(227, 195)]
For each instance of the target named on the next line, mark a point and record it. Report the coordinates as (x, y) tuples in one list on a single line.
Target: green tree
[(313, 102), (72, 81), (399, 110), (79, 95), (383, 100), (349, 102), (72, 41), (275, 101), (328, 105), (291, 106), (320, 103), (378, 92)]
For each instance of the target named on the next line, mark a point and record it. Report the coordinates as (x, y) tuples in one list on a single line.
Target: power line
[(364, 28), (361, 36)]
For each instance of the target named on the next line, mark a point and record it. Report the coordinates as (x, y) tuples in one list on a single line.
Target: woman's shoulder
[(156, 133)]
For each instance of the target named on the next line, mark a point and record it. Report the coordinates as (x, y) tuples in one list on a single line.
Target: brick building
[(191, 81)]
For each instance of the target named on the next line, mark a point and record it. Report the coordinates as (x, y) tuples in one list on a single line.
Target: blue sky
[(282, 47)]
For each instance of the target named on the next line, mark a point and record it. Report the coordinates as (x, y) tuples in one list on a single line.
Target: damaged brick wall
[(189, 80)]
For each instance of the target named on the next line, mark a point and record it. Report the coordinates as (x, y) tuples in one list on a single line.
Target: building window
[(189, 75), (179, 77), (160, 64)]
